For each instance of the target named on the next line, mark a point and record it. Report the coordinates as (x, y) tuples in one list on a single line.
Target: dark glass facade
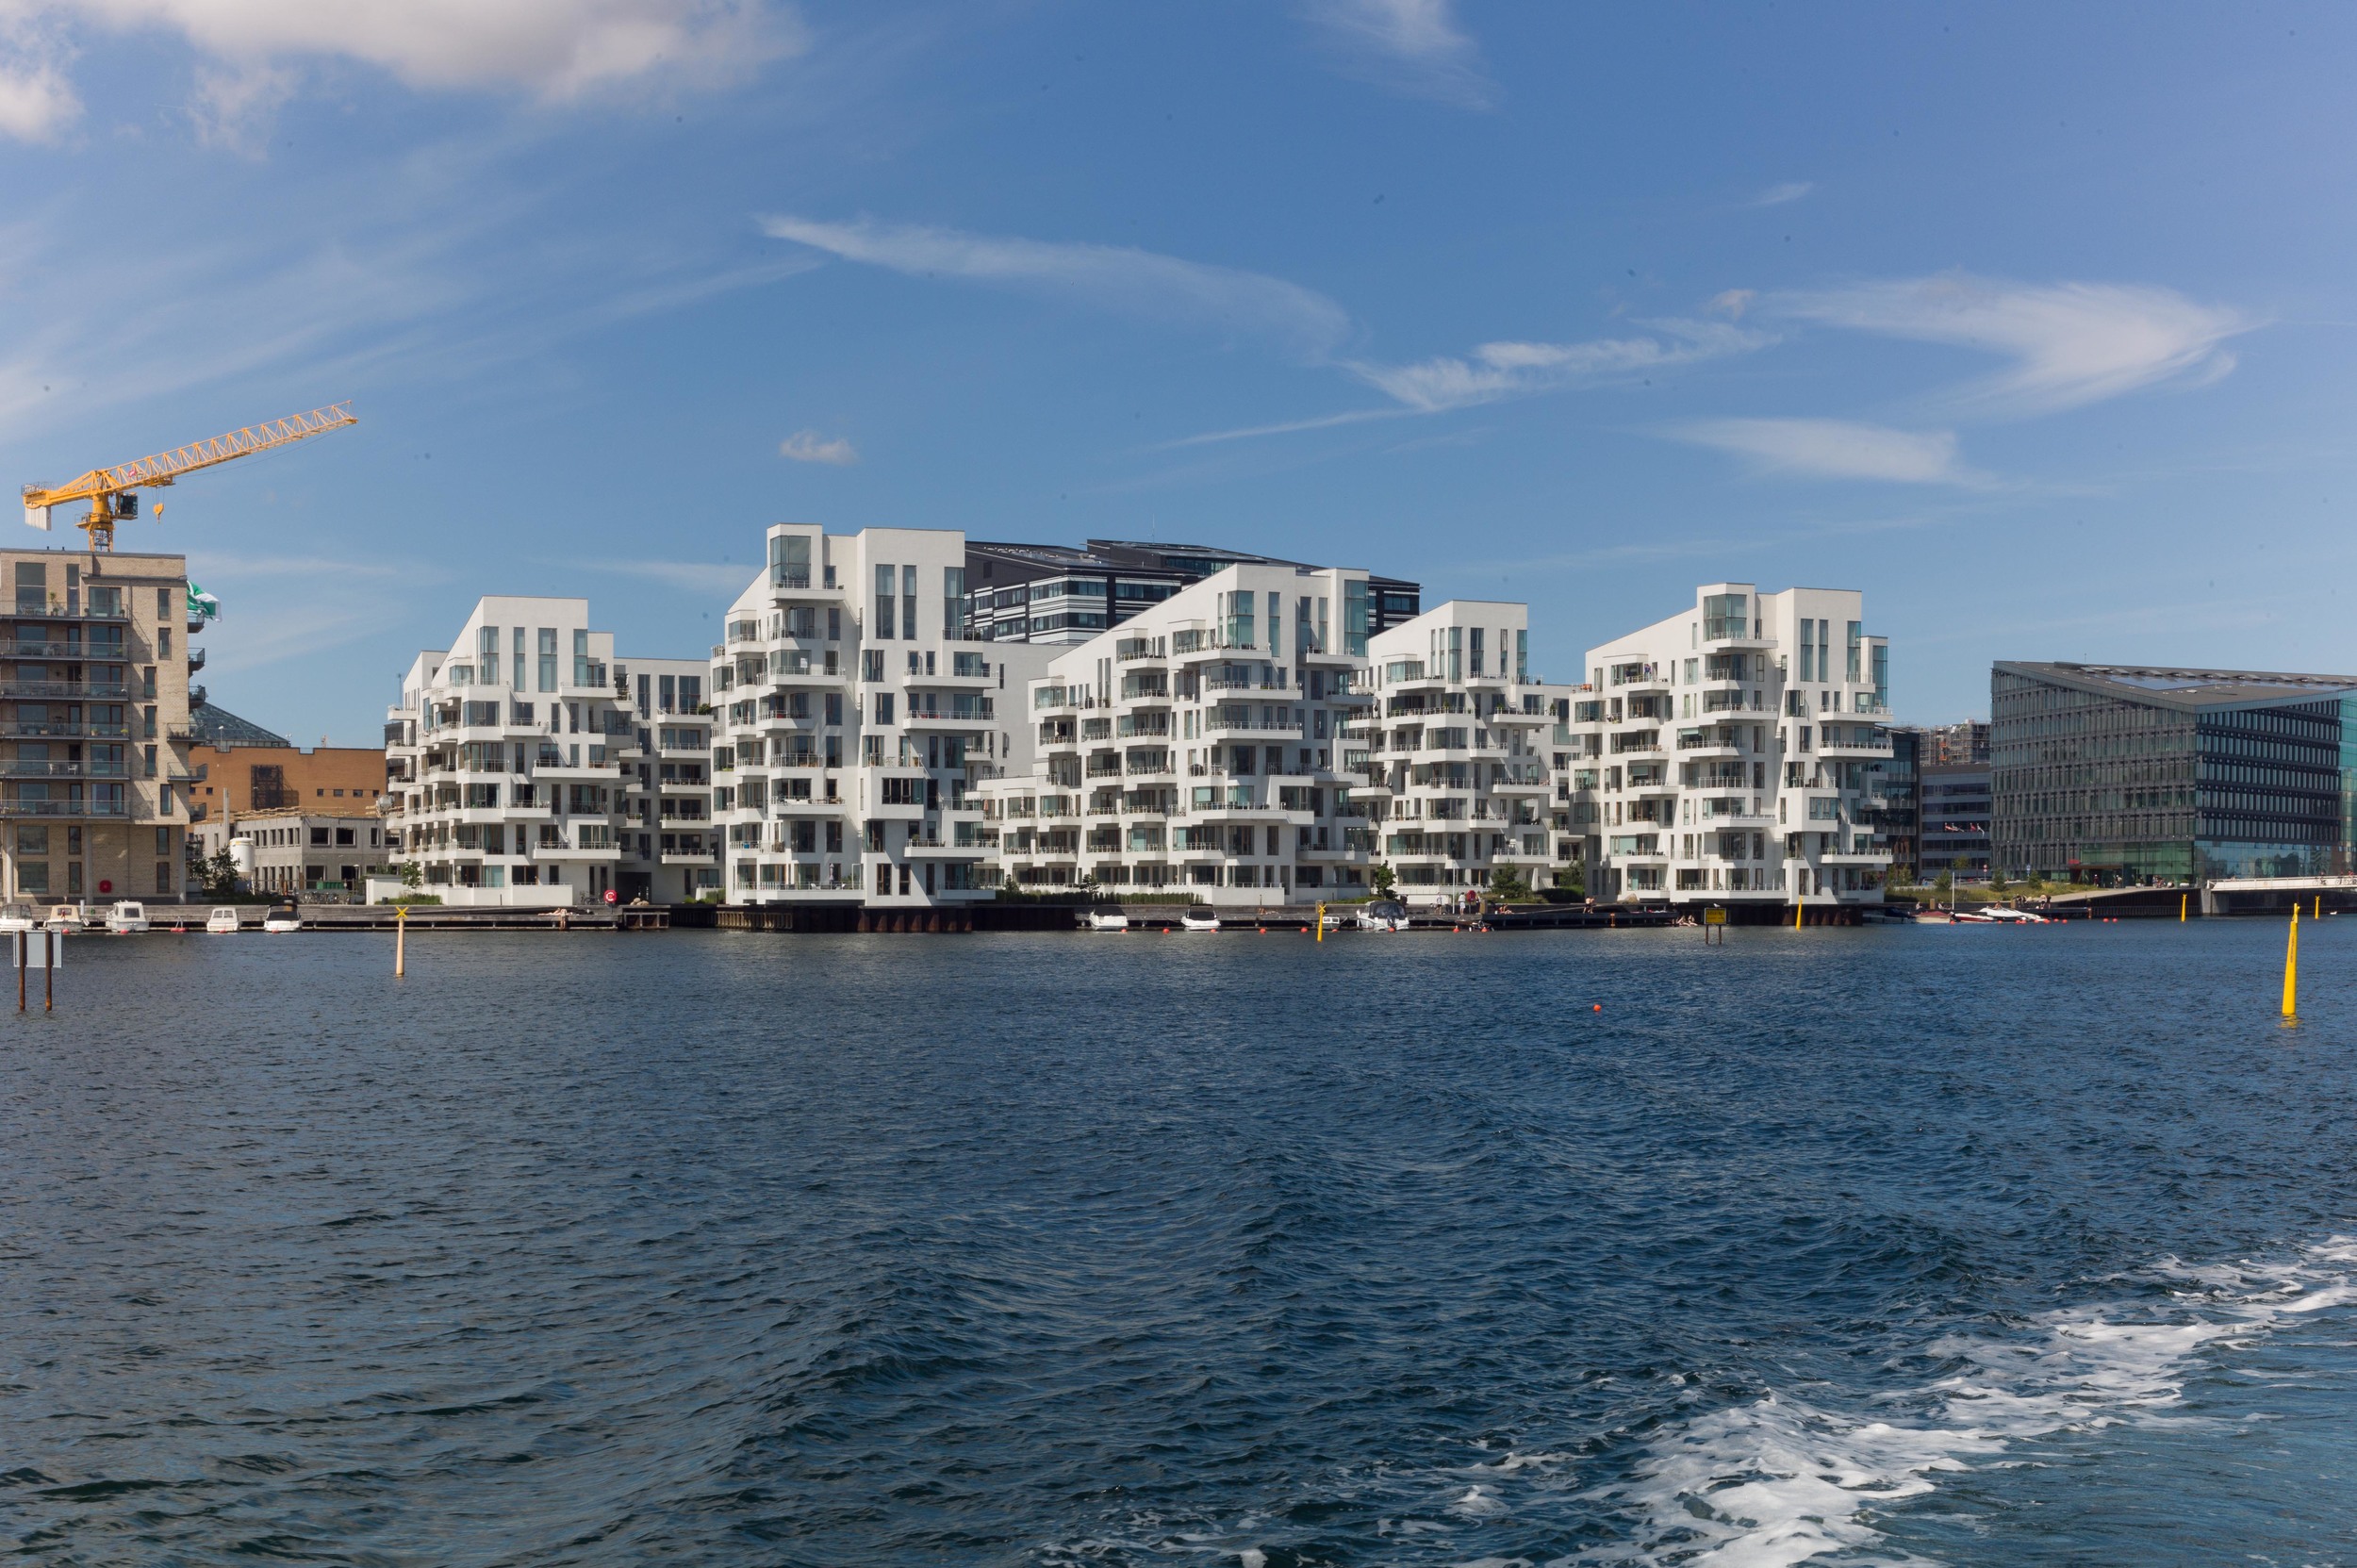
[(2111, 773), (1892, 803)]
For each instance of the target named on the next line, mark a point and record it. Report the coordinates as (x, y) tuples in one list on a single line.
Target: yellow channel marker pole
[(2291, 966), (401, 941), (2180, 907), (1321, 922)]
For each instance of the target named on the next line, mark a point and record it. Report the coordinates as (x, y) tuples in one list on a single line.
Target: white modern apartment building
[(506, 757), (670, 846), (1457, 753), (851, 720), (1728, 754), (1198, 746)]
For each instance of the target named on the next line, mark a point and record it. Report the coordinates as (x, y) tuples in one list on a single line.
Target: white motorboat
[(67, 919), (1104, 920), (128, 918), (222, 922), (1384, 915), (282, 919), (1198, 918), (15, 917), (2004, 915)]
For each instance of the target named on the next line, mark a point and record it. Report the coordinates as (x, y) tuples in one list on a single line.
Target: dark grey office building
[(2113, 773), (1057, 594), (1955, 801)]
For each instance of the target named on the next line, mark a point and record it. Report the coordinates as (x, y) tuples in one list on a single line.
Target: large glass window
[(1727, 614), (581, 658), (789, 560), (548, 658), (908, 603), (953, 602), (1355, 619), (488, 655), (886, 578), (1857, 648)]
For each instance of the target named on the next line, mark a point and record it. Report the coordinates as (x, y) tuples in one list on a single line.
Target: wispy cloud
[(1107, 277), (808, 446), (699, 578), (552, 50), (1777, 195), (1413, 47), (2070, 343), (1835, 449), (1504, 370)]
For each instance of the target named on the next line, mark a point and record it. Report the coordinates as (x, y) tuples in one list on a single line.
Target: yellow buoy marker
[(2291, 966), (2180, 907)]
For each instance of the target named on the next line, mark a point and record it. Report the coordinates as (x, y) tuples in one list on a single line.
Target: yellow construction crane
[(111, 492)]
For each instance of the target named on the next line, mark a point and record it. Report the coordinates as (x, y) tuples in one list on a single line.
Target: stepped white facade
[(670, 846), (851, 724), (1198, 746), (1731, 753), (1458, 754), (505, 757)]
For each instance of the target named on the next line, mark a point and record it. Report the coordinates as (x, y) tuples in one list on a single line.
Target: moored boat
[(128, 918), (223, 920)]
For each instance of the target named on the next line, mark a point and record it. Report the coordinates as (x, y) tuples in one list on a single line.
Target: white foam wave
[(1780, 1482)]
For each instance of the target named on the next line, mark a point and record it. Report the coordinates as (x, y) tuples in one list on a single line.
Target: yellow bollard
[(1796, 912), (401, 941), (2291, 966), (2180, 907), (1321, 922), (2318, 913)]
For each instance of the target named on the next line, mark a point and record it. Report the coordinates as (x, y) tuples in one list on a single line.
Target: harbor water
[(1955, 1245)]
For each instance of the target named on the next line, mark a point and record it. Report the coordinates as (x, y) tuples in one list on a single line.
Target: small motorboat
[(67, 919), (1198, 918), (128, 918), (222, 922), (282, 919), (15, 917), (1970, 917), (2006, 917), (1104, 920), (1384, 915)]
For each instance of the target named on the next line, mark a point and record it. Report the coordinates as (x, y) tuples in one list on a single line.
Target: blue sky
[(2034, 323)]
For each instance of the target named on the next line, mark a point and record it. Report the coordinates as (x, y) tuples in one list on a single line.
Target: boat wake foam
[(1779, 1481)]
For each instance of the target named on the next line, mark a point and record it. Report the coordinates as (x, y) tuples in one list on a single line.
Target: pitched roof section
[(214, 725), (2189, 691)]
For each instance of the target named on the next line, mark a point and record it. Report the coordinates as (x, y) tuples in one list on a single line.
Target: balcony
[(54, 613), (196, 660), (62, 808), (44, 731), (108, 691), (21, 769)]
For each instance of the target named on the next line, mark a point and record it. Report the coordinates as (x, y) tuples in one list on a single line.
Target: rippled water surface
[(1961, 1245)]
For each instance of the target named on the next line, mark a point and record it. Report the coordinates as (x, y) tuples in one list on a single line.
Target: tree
[(1946, 884), (217, 873), (1381, 879), (1507, 884), (412, 874)]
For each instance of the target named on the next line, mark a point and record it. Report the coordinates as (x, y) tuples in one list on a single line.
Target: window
[(150, 760), (163, 641), (548, 658), (148, 722), (581, 658), (163, 603), (871, 662), (147, 681), (883, 707), (487, 654), (1858, 639), (881, 627), (789, 561), (908, 603), (32, 588)]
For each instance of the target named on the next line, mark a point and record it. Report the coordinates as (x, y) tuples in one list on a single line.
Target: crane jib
[(104, 489)]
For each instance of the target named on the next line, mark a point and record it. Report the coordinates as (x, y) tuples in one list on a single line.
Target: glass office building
[(2116, 773)]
